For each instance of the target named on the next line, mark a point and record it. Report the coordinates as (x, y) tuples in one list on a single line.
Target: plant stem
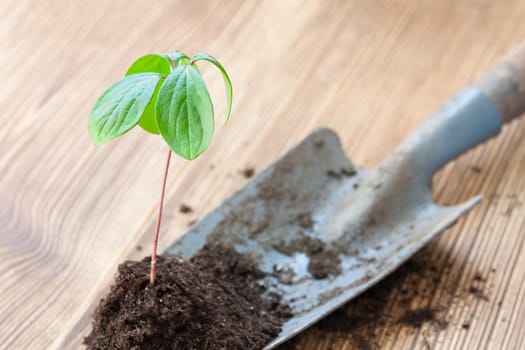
[(153, 271)]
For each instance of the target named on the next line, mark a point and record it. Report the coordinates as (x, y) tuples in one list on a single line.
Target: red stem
[(153, 271)]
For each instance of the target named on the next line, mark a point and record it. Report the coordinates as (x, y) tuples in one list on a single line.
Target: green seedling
[(164, 94)]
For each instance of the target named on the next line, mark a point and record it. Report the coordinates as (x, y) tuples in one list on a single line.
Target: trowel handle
[(467, 119), (504, 83)]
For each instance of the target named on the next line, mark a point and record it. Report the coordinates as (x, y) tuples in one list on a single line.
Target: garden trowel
[(325, 230)]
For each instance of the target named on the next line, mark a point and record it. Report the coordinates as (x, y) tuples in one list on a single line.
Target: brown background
[(371, 70)]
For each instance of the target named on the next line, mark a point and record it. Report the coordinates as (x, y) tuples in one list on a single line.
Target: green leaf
[(157, 63), (226, 78), (148, 121), (120, 107), (185, 112)]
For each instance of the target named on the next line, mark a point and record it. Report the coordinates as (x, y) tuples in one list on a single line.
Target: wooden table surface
[(371, 70)]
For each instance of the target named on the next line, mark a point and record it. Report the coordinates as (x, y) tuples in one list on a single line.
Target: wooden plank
[(370, 70)]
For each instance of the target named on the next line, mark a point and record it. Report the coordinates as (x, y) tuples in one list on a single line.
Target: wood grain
[(371, 70)]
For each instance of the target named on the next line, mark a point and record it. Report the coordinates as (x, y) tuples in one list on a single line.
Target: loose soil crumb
[(303, 243), (333, 173), (212, 301), (325, 263), (305, 220), (416, 318), (337, 174), (478, 293), (476, 169), (248, 172), (479, 278), (185, 209)]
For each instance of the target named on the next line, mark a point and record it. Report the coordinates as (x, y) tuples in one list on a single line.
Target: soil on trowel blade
[(360, 324), (213, 301)]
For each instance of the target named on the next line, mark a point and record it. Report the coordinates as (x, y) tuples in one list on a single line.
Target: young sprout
[(164, 94)]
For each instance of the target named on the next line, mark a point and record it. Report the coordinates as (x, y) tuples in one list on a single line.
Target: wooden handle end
[(505, 84)]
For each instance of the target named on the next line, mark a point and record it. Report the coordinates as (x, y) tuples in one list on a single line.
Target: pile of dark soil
[(212, 301)]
